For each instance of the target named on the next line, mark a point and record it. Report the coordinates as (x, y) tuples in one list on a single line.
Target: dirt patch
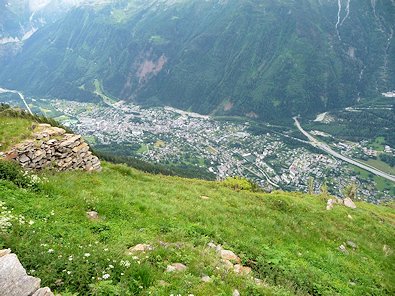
[(150, 68), (228, 106)]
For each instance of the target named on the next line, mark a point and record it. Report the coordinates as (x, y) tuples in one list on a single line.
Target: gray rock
[(43, 292), (140, 248), (23, 158), (349, 203), (13, 278), (92, 215), (176, 267), (206, 279), (71, 141), (342, 249), (240, 269), (81, 148), (329, 204), (229, 255), (351, 244)]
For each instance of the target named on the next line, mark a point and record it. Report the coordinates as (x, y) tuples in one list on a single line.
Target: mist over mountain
[(264, 59)]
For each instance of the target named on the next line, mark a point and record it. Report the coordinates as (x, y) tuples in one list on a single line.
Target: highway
[(326, 148), (4, 90)]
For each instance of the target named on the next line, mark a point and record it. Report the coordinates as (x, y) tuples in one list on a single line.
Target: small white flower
[(51, 251), (106, 276), (71, 258), (111, 266), (87, 255), (68, 272), (31, 222), (124, 263)]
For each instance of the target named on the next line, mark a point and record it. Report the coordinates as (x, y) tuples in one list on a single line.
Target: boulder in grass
[(92, 215), (349, 203), (176, 267), (140, 248), (229, 255)]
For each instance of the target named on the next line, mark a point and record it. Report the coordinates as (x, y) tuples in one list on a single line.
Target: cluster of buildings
[(224, 148)]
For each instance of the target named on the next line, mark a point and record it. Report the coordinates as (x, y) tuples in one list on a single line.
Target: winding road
[(326, 148), (4, 90)]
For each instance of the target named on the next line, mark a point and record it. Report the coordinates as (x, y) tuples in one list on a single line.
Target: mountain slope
[(270, 59), (290, 240)]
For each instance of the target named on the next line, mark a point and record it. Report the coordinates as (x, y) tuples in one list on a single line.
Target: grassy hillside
[(288, 239)]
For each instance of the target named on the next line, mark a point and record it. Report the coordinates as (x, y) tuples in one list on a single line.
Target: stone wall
[(52, 147)]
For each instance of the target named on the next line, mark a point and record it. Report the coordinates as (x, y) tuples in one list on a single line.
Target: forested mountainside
[(263, 59)]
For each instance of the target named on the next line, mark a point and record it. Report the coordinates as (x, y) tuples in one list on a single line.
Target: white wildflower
[(106, 276), (125, 263), (87, 255), (51, 251)]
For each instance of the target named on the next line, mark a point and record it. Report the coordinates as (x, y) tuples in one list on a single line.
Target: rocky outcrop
[(14, 280), (52, 147), (347, 202)]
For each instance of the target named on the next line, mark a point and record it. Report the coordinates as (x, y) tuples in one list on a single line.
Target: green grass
[(383, 184), (13, 131), (381, 165), (378, 144), (289, 239), (100, 92), (143, 148)]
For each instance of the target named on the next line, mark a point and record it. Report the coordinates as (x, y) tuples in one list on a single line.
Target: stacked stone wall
[(52, 147)]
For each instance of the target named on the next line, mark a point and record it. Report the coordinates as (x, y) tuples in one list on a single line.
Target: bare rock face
[(53, 148), (14, 280)]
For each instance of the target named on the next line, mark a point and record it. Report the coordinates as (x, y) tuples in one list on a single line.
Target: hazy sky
[(36, 5)]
